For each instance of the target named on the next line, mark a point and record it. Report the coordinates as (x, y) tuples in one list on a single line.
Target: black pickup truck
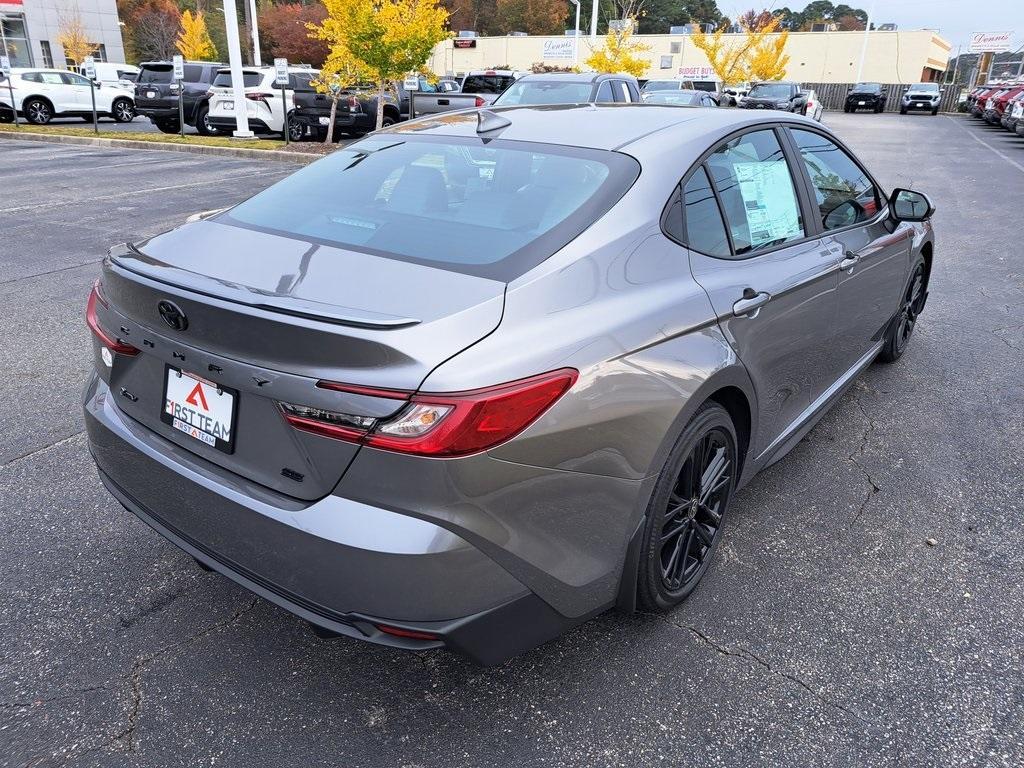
[(775, 95), (356, 113)]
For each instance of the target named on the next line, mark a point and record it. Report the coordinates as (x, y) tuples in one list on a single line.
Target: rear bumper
[(344, 566), (228, 124), (158, 113), (345, 121)]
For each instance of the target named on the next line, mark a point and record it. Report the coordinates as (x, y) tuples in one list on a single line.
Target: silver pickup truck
[(479, 88)]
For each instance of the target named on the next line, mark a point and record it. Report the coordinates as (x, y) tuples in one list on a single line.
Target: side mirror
[(907, 205)]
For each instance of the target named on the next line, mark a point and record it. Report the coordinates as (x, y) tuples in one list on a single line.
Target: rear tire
[(122, 110), (167, 126), (296, 131), (898, 338), (203, 123), (684, 516), (37, 111)]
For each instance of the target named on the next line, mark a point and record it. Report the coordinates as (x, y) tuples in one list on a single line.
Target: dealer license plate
[(325, 120), (228, 105), (199, 408), (861, 103), (150, 94)]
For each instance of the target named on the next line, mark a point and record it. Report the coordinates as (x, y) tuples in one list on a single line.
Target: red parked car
[(978, 106), (996, 105)]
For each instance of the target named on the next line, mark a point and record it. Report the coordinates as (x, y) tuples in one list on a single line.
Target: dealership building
[(29, 30), (814, 57)]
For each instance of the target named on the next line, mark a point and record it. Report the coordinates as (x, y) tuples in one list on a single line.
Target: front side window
[(486, 83), (843, 192), (488, 209), (705, 231), (757, 192)]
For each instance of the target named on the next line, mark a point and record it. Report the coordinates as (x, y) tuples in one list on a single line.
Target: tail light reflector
[(440, 424), (413, 634), (479, 101), (112, 343)]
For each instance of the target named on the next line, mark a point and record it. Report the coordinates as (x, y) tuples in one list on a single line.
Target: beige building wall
[(815, 57)]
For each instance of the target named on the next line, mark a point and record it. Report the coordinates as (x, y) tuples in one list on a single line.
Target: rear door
[(850, 209), (771, 281)]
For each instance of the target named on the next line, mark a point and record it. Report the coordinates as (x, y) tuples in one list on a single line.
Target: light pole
[(576, 36), (864, 45), (593, 23), (237, 81), (255, 34)]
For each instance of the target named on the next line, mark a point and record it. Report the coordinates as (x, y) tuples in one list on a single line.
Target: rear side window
[(299, 82), (757, 192), (494, 209), (161, 74), (705, 231), (604, 92), (843, 192), (249, 79), (193, 73), (32, 77), (486, 83)]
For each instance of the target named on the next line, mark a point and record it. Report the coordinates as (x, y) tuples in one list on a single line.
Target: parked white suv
[(43, 94), (263, 104)]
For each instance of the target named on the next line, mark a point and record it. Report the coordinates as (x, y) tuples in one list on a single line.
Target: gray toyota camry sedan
[(472, 380)]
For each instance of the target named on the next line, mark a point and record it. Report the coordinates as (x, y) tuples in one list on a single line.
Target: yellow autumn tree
[(341, 71), (194, 41), (73, 39), (386, 38), (620, 53), (767, 59)]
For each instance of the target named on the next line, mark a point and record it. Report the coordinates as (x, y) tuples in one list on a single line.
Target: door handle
[(750, 302), (444, 102), (849, 261)]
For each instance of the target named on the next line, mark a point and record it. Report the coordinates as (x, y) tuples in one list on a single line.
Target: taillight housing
[(479, 101), (442, 425), (353, 104), (113, 343)]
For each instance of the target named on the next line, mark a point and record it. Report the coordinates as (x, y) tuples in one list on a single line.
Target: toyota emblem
[(172, 315)]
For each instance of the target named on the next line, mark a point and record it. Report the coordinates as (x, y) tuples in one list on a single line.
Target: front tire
[(903, 111), (935, 112), (684, 517), (898, 338), (37, 111), (122, 110)]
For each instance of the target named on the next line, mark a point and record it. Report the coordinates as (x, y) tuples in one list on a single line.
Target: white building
[(29, 30)]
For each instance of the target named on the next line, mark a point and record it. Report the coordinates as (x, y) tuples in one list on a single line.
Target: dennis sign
[(990, 42)]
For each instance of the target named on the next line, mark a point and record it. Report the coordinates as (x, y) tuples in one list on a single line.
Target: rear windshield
[(249, 79), (770, 91), (487, 83), (680, 98), (160, 73), (546, 92), (494, 210), (662, 85)]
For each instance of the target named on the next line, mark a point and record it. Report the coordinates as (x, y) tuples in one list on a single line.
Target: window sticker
[(769, 200)]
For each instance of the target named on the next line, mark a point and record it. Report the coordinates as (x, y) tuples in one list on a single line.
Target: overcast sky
[(954, 19)]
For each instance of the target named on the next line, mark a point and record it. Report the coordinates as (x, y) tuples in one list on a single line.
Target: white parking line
[(1010, 160), (136, 192)]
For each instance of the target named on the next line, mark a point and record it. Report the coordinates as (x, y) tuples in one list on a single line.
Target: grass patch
[(153, 138)]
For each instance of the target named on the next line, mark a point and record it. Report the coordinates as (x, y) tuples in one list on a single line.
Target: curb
[(195, 149)]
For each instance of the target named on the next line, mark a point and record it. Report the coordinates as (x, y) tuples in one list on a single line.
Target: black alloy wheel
[(296, 131), (910, 308), (37, 111), (685, 515)]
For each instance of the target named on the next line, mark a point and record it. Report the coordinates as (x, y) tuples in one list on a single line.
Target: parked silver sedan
[(468, 382)]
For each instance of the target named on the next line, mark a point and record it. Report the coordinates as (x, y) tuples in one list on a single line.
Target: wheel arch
[(39, 97), (391, 110)]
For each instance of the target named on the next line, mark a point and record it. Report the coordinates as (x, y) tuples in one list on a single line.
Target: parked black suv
[(775, 95), (156, 94), (865, 96), (356, 113)]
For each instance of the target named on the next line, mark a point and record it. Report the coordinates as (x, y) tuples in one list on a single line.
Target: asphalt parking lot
[(829, 631)]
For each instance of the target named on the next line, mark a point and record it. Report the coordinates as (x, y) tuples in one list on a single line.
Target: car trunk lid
[(266, 318)]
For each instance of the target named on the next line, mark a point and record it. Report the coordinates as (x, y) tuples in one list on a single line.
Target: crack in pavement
[(51, 699), (854, 458), (748, 655), (40, 449), (126, 735)]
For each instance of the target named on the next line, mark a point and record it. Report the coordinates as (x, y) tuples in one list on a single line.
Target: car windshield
[(925, 87), (249, 79), (546, 92), (161, 73), (487, 83), (680, 98), (662, 85), (770, 91), (867, 88), (492, 209)]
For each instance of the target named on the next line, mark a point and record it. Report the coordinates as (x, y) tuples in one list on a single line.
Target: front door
[(771, 282), (875, 254), (79, 92)]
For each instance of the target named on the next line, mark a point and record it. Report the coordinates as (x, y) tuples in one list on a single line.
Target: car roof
[(595, 126), (576, 77)]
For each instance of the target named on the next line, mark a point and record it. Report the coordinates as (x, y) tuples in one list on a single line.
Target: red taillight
[(413, 634), (112, 343), (353, 102), (441, 424), (479, 101)]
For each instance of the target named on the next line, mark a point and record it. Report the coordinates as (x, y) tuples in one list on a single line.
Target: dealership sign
[(464, 42), (697, 73), (990, 42), (562, 48)]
